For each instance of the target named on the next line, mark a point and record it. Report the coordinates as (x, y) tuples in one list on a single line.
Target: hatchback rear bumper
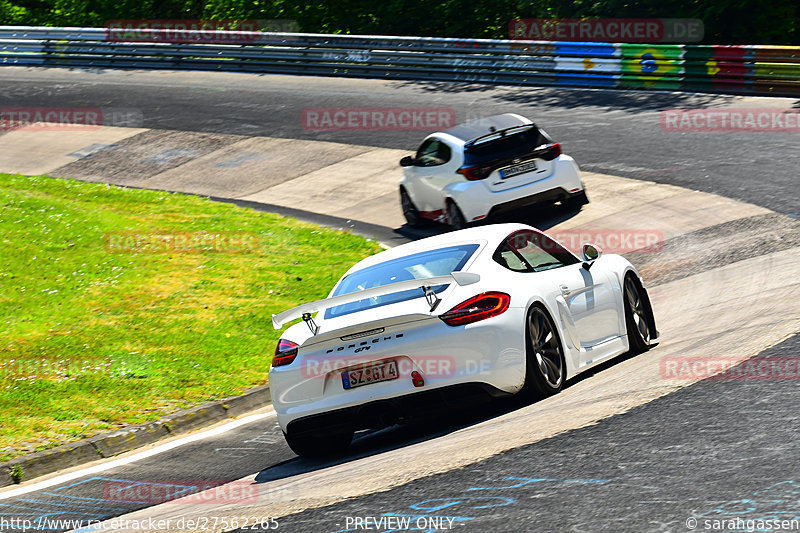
[(546, 197), (478, 202)]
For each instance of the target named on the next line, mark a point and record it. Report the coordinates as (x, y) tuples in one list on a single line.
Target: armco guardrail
[(752, 69)]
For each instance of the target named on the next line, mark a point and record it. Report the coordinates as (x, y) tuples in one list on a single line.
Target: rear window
[(418, 266), (516, 143)]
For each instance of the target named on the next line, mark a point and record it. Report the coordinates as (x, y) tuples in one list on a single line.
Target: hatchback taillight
[(285, 352), (551, 152), (475, 173), (480, 307)]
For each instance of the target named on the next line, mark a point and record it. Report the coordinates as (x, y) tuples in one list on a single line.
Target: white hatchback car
[(485, 167)]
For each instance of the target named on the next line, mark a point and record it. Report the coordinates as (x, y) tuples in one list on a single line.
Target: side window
[(529, 251), (433, 152)]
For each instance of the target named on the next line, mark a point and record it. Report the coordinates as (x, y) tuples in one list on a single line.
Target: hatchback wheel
[(455, 219), (409, 210)]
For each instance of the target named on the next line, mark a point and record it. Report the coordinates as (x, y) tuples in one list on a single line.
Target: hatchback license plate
[(370, 373), (522, 168)]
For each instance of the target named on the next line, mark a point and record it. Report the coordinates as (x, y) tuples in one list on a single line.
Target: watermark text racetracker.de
[(730, 119), (182, 31), (432, 366), (759, 368), (378, 118), (67, 118), (607, 30), (181, 242), (223, 31), (612, 241), (181, 491)]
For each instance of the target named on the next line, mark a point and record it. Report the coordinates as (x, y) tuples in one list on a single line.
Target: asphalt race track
[(621, 449), (612, 132), (712, 451)]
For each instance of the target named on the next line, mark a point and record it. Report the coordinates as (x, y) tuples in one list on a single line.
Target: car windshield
[(422, 265)]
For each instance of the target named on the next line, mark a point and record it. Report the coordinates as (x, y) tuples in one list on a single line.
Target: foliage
[(726, 21)]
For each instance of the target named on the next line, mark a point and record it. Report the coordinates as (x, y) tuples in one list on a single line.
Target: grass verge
[(118, 306)]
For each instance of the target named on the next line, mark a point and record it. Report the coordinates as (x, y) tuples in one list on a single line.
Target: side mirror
[(407, 161), (590, 253)]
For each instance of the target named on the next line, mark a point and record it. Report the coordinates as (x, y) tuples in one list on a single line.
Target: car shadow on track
[(368, 443), (541, 217), (373, 442)]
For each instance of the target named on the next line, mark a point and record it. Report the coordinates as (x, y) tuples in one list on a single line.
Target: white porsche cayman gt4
[(478, 313)]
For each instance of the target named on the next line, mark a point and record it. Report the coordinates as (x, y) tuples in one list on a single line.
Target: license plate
[(522, 168), (369, 373)]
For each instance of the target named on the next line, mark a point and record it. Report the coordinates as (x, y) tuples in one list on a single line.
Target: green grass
[(94, 337)]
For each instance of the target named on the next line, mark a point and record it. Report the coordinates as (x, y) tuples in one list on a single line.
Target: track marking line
[(136, 456)]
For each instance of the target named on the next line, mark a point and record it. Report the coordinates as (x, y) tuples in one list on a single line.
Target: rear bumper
[(383, 413), (477, 201), (490, 352), (546, 197)]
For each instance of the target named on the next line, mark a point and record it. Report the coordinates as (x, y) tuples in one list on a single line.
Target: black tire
[(455, 218), (546, 368), (574, 203), (314, 446), (410, 211), (639, 321)]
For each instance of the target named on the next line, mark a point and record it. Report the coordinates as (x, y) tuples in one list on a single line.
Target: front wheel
[(545, 363), (313, 446), (639, 320), (410, 211)]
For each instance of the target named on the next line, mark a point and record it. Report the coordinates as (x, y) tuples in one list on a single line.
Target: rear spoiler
[(426, 284)]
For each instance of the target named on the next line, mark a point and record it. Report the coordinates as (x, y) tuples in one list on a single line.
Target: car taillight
[(480, 307), (285, 352), (551, 152), (475, 173)]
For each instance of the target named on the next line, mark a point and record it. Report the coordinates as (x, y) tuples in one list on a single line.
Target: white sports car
[(485, 167), (478, 313)]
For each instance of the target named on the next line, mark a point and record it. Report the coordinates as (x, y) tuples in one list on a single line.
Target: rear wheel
[(545, 364), (638, 317), (312, 446), (455, 219), (575, 202), (409, 209)]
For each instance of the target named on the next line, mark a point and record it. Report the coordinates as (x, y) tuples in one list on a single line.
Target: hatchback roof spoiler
[(304, 311), (500, 133)]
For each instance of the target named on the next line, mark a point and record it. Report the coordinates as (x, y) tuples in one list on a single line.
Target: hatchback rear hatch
[(510, 157)]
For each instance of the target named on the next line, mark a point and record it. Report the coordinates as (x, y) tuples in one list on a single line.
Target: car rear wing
[(426, 284)]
